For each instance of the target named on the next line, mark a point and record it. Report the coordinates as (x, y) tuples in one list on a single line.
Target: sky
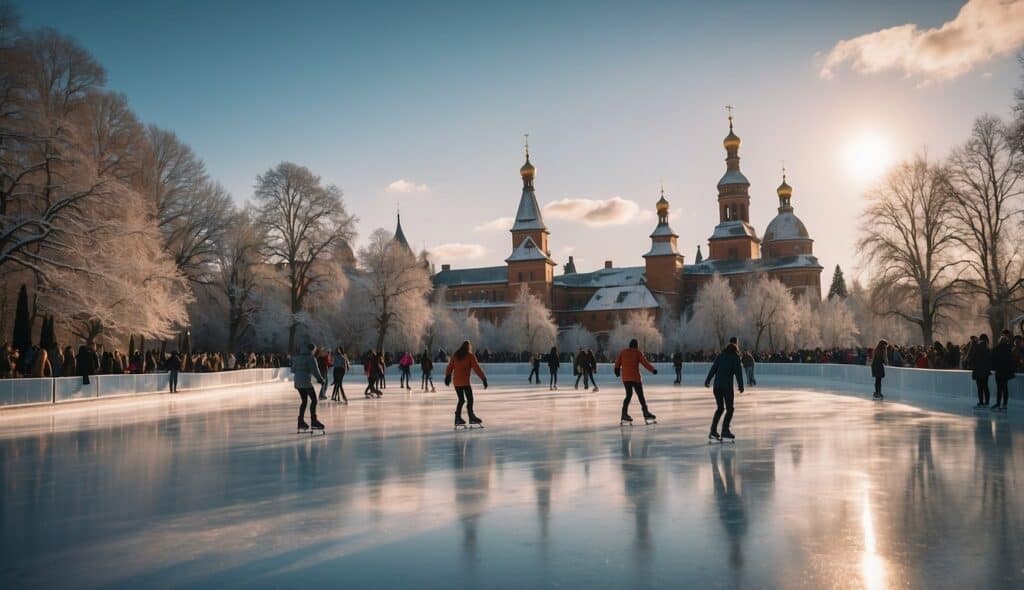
[(423, 106)]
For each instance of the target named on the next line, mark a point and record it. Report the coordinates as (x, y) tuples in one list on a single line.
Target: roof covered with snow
[(663, 229), (620, 298), (730, 267), (733, 177), (604, 277), (733, 229), (528, 215), (528, 250), (786, 226), (471, 276), (662, 249)]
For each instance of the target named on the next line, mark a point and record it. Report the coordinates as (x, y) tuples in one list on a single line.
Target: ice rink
[(216, 490)]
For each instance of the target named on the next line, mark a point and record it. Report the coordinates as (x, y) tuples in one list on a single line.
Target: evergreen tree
[(838, 288), (131, 344), (22, 339), (47, 338)]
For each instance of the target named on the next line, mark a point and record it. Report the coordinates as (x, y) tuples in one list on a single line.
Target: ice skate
[(302, 427), (475, 422), (728, 436), (625, 420), (714, 437), (650, 418), (432, 390), (315, 424), (596, 389), (980, 406), (460, 424)]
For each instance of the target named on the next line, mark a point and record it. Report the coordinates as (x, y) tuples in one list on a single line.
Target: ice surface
[(216, 490)]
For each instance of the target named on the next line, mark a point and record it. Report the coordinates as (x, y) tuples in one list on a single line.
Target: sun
[(867, 156)]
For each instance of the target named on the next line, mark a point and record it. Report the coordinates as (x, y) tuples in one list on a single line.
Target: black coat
[(725, 367), (1002, 361), (878, 366), (981, 361)]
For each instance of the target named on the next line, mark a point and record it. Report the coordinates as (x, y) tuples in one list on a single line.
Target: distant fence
[(29, 392), (900, 383)]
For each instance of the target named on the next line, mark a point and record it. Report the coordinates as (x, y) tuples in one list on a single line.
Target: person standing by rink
[(405, 367), (304, 369), (173, 365), (748, 367), (579, 368), (878, 366), (427, 367), (1003, 366), (677, 366), (727, 366), (592, 368), (627, 366), (459, 370), (534, 368), (981, 361), (553, 364)]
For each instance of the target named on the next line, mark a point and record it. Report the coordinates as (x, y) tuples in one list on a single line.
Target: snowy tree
[(909, 239), (715, 314), (768, 311), (576, 337), (492, 337), (639, 325), (303, 222), (838, 329), (807, 334), (838, 287), (529, 326), (397, 285), (239, 266), (985, 178), (450, 327)]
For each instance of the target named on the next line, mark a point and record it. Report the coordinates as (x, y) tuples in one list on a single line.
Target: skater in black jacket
[(981, 361), (534, 369), (878, 366), (726, 367), (553, 364), (1003, 366), (677, 366)]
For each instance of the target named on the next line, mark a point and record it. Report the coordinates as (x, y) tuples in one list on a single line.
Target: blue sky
[(617, 97)]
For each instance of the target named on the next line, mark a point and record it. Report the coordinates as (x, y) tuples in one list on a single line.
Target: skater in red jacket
[(627, 366), (462, 364)]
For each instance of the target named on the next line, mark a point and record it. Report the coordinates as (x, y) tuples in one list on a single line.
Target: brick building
[(662, 283)]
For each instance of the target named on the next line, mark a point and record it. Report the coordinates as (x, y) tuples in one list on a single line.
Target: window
[(622, 296), (520, 277), (531, 275)]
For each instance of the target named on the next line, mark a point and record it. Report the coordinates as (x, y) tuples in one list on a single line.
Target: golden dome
[(784, 189), (527, 170), (662, 204), (731, 141)]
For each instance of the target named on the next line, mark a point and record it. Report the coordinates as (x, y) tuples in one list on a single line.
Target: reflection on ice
[(213, 490)]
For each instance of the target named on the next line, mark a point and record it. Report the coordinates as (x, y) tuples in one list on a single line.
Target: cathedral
[(662, 284)]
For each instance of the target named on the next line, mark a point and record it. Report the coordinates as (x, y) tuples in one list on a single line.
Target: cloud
[(406, 186), (596, 213), (499, 224), (981, 31), (447, 252)]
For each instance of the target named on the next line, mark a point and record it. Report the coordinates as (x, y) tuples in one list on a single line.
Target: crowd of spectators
[(55, 361)]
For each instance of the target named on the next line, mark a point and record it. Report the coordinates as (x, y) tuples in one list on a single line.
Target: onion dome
[(528, 170), (784, 190), (662, 205), (731, 141)]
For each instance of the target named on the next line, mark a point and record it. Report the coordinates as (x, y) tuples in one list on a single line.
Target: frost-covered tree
[(303, 221), (450, 327), (715, 315), (529, 326), (985, 179), (639, 325), (909, 240), (239, 265), (397, 285), (807, 335), (838, 328), (769, 312), (576, 337)]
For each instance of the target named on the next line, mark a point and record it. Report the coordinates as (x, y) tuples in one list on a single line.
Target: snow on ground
[(216, 490)]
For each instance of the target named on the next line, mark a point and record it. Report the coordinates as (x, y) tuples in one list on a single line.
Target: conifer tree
[(22, 337), (838, 288)]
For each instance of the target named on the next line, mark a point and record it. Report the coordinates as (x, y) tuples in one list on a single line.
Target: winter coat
[(460, 369), (981, 362), (173, 363), (747, 360), (726, 366), (1003, 361), (591, 361), (87, 362), (553, 362), (426, 365), (304, 370), (878, 367), (677, 361), (628, 365)]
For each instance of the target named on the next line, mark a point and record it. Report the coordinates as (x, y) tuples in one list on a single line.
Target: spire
[(528, 216), (662, 207), (785, 193), (700, 257), (527, 171), (399, 234)]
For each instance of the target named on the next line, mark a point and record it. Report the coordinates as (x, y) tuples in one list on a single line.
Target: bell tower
[(663, 263), (734, 237), (530, 261)]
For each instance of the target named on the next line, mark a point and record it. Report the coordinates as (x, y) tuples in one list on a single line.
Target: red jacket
[(460, 370), (629, 362)]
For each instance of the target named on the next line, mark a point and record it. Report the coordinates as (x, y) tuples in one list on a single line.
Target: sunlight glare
[(867, 156)]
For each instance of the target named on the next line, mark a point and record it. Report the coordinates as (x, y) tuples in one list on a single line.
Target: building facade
[(661, 284)]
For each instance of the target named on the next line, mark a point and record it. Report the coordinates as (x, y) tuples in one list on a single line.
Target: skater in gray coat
[(304, 371), (726, 367)]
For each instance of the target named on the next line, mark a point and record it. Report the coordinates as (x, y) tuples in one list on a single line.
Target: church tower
[(530, 261), (734, 237), (663, 262)]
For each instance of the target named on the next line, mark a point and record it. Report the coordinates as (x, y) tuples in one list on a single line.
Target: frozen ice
[(215, 489)]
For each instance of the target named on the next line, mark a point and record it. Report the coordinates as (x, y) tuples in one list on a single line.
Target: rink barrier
[(899, 384), (33, 392)]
